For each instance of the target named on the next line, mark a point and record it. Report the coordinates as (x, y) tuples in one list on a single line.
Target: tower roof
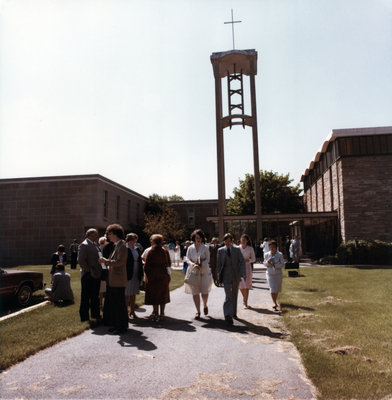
[(223, 62)]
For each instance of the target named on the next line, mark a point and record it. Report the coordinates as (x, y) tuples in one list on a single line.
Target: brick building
[(352, 174), (37, 214), (194, 214), (347, 194)]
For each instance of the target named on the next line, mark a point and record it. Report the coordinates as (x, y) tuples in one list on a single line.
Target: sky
[(125, 88)]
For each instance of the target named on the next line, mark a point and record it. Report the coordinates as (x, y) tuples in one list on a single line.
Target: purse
[(192, 276)]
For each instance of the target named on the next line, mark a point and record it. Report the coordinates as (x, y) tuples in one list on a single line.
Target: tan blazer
[(117, 266)]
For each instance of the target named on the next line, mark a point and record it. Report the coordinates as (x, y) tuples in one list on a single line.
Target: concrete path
[(179, 358)]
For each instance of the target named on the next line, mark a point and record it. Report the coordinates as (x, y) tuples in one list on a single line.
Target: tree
[(161, 218), (277, 196)]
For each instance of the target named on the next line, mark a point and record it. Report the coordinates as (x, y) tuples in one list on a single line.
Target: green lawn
[(335, 310), (27, 333)]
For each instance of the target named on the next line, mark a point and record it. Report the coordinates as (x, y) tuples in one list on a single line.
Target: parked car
[(20, 284)]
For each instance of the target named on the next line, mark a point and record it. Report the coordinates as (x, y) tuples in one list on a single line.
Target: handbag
[(192, 276)]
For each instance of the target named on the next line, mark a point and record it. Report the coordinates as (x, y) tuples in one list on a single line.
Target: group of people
[(292, 248), (115, 265)]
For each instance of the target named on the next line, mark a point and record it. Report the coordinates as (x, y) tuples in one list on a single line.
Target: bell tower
[(234, 65)]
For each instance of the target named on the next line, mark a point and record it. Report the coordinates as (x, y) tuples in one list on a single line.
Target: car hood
[(19, 271)]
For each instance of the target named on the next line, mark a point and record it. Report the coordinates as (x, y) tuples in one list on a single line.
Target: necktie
[(228, 251)]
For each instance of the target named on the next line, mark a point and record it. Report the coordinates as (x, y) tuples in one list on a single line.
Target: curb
[(24, 310)]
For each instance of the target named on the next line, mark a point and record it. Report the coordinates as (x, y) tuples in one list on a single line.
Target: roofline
[(209, 201), (64, 178), (277, 217), (349, 132)]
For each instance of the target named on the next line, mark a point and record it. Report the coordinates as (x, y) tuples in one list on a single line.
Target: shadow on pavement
[(170, 323), (259, 287), (134, 338), (246, 327), (131, 338)]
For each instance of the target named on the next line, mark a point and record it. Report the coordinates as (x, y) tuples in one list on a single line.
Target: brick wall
[(39, 214), (367, 193), (360, 189)]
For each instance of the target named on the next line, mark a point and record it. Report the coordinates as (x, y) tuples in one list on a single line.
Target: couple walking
[(229, 271)]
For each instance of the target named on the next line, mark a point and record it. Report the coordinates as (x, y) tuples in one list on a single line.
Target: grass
[(346, 310), (25, 334)]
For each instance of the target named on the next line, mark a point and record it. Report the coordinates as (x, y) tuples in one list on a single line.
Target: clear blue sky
[(125, 88)]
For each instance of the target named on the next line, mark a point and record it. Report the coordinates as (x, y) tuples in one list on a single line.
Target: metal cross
[(232, 22)]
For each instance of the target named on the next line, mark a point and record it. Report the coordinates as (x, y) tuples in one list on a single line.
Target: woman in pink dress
[(249, 256)]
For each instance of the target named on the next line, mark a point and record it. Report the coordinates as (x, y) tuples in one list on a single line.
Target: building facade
[(194, 214), (38, 214), (352, 174)]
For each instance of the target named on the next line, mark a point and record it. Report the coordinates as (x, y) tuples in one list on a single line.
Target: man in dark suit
[(91, 271), (230, 269)]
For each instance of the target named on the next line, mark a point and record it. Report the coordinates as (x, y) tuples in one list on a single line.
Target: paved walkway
[(179, 358)]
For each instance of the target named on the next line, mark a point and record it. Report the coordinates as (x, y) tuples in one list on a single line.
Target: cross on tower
[(232, 22)]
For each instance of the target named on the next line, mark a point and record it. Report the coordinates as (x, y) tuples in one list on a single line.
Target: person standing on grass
[(249, 256), (90, 272), (115, 309), (74, 253), (230, 269), (274, 262), (296, 247), (59, 257), (177, 253)]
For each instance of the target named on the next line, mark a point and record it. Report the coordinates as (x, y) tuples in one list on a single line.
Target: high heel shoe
[(197, 315), (205, 310)]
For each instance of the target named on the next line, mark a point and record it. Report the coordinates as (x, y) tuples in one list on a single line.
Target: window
[(118, 207), (105, 204)]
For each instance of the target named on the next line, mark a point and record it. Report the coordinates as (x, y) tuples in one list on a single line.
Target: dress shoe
[(229, 320)]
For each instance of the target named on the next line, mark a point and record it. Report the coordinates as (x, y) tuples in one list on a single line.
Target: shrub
[(374, 252)]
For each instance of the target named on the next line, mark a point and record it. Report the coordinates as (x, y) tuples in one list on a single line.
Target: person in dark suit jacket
[(230, 269), (115, 310), (58, 258), (90, 271)]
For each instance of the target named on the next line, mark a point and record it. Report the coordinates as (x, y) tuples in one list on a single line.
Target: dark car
[(20, 284)]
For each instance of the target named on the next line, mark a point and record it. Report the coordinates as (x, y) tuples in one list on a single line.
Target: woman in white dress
[(274, 262), (198, 256), (249, 256)]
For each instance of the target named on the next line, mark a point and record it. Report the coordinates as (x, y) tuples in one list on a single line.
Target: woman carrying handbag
[(198, 280)]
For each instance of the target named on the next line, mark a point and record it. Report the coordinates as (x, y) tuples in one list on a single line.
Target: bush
[(329, 260), (374, 252)]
